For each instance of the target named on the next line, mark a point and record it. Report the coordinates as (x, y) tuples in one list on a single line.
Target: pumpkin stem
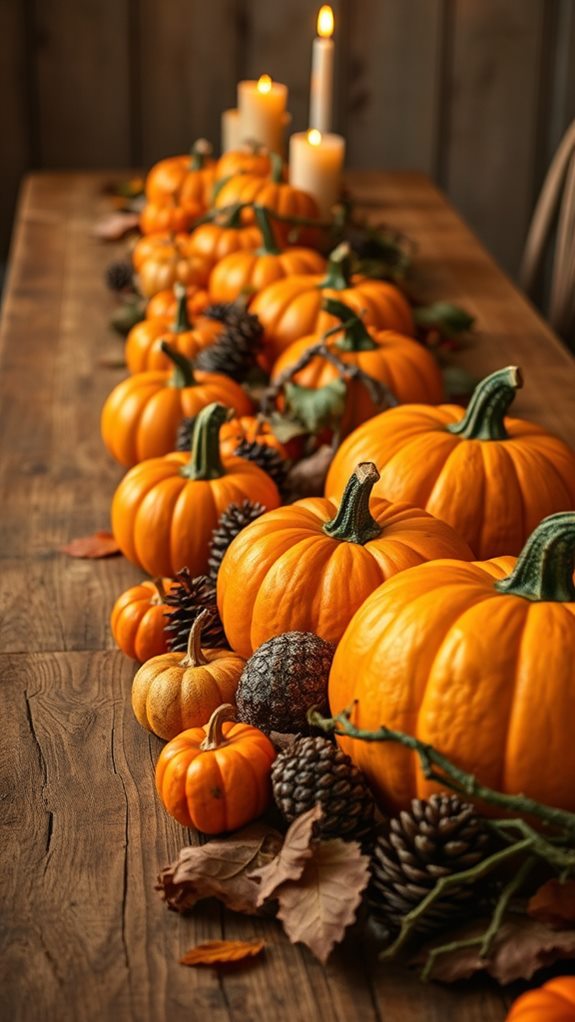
[(338, 274), (268, 246), (215, 734), (181, 319), (354, 522), (231, 216), (183, 374), (489, 403), (544, 568), (199, 153), (160, 594), (354, 333), (277, 166), (205, 461), (194, 656)]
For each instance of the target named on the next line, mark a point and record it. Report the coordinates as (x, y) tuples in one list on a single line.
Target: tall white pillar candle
[(316, 165), (262, 107), (231, 138), (321, 88)]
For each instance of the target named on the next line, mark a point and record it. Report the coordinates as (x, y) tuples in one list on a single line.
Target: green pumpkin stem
[(484, 418), (338, 274), (199, 153), (181, 319), (277, 166), (183, 373), (354, 333), (194, 656), (215, 733), (231, 216), (205, 460), (544, 569), (354, 522), (268, 246)]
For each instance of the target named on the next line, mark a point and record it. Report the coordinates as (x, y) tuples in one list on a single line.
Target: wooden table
[(85, 935)]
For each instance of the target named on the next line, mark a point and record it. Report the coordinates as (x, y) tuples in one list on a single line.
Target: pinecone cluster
[(315, 770), (436, 838), (236, 349), (185, 600), (230, 523), (184, 433), (119, 275), (265, 457)]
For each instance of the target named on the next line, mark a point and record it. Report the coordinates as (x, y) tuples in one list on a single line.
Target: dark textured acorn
[(185, 600), (282, 680), (230, 523)]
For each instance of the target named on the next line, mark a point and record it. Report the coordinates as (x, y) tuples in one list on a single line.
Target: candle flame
[(325, 22), (314, 136), (264, 84)]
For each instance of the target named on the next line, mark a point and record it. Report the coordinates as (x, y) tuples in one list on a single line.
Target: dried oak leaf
[(307, 477), (291, 861), (99, 544), (219, 952), (317, 908), (114, 226), (554, 903), (219, 869), (521, 947)]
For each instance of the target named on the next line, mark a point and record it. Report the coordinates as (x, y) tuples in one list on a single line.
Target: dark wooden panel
[(17, 123), (83, 83), (490, 147)]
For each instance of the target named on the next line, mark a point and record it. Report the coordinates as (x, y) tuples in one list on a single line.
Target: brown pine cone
[(185, 600)]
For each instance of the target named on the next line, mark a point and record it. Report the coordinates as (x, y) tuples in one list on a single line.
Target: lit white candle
[(262, 107), (231, 138), (316, 165), (321, 90)]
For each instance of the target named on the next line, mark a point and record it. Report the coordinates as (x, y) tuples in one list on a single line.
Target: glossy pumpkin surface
[(187, 180), (138, 619), (164, 303), (143, 349), (247, 159), (162, 260), (553, 1002)]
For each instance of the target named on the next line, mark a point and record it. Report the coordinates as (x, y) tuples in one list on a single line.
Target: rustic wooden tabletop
[(85, 935)]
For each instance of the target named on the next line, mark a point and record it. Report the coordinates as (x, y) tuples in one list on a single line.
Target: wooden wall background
[(475, 92)]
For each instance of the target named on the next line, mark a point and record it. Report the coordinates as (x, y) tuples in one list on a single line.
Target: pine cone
[(437, 837), (234, 353), (284, 679), (231, 521), (265, 457), (119, 275), (220, 311), (315, 770), (185, 601), (184, 433)]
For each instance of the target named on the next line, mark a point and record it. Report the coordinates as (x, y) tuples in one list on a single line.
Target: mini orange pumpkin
[(553, 1002), (222, 235), (175, 691), (216, 778), (475, 659), (309, 566), (254, 429), (253, 269), (492, 478), (187, 179), (141, 416), (293, 308), (138, 619), (167, 217), (143, 349), (249, 158), (162, 260), (165, 509), (163, 304)]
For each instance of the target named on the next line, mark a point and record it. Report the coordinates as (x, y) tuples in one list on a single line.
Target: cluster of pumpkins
[(439, 560)]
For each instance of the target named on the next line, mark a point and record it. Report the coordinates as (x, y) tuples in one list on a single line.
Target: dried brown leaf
[(317, 908), (307, 477), (521, 947), (219, 869), (114, 226), (218, 952), (282, 742), (99, 544), (554, 903), (292, 858)]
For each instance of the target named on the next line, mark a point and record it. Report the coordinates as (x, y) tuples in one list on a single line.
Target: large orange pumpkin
[(165, 509), (492, 478), (475, 659), (140, 418), (309, 566), (553, 1002), (293, 308), (162, 260), (253, 269), (143, 349), (216, 778), (138, 619), (402, 365)]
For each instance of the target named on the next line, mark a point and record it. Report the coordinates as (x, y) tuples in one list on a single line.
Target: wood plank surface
[(84, 934)]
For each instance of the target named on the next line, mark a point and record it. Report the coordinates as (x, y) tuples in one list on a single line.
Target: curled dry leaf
[(307, 477), (292, 858), (114, 226), (282, 742), (554, 903), (220, 952), (219, 869), (99, 544)]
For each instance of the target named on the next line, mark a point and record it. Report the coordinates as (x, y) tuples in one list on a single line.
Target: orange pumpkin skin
[(221, 787), (283, 572), (553, 1002), (253, 270), (492, 491), (143, 349), (138, 619), (163, 304), (252, 429), (163, 520), (162, 260), (292, 308), (175, 691), (165, 217), (212, 242), (485, 676), (187, 180), (140, 417), (243, 161)]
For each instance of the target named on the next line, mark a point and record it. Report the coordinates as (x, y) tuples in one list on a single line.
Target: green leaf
[(450, 320), (286, 429), (128, 314), (458, 382), (317, 409)]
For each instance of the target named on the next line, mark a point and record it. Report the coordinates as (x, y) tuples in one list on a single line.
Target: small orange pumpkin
[(140, 417), (143, 349), (167, 217), (553, 1002), (163, 304), (187, 179), (222, 235), (308, 566), (175, 691), (138, 619), (249, 158), (165, 509), (216, 778), (253, 269), (254, 429), (162, 260)]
